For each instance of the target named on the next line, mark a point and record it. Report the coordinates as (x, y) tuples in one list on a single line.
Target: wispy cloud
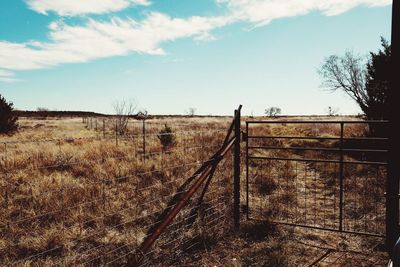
[(81, 7), (115, 37), (99, 39), (261, 12), (7, 76)]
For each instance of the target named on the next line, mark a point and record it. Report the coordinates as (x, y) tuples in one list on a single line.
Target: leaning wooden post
[(236, 172), (392, 183)]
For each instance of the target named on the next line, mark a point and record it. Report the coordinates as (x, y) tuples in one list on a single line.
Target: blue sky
[(170, 55)]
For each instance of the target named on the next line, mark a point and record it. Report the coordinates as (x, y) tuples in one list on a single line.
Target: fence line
[(101, 220)]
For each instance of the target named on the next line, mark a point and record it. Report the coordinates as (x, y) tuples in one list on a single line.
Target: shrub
[(8, 120), (273, 111), (166, 137)]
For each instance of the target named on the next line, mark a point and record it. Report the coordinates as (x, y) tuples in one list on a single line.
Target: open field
[(76, 193)]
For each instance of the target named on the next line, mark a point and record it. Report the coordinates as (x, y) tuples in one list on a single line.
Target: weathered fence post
[(116, 132), (392, 183), (144, 139), (104, 128), (236, 172)]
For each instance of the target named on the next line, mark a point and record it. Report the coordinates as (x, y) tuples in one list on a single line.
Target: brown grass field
[(77, 194)]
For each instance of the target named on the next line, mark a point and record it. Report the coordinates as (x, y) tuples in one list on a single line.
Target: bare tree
[(124, 109), (349, 74), (191, 112), (42, 109), (273, 111)]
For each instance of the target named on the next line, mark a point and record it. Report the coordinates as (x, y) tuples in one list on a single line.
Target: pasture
[(78, 192)]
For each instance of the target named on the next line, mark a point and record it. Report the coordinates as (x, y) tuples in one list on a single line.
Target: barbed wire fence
[(91, 201)]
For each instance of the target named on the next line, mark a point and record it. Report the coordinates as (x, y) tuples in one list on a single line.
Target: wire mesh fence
[(328, 175), (91, 201)]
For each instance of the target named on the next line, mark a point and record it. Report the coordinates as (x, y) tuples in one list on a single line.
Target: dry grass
[(86, 199)]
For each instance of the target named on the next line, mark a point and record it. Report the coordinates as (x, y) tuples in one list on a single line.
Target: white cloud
[(262, 12), (81, 7), (100, 39), (96, 39), (7, 76)]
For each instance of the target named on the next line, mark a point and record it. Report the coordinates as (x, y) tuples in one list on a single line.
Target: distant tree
[(124, 110), (273, 111), (8, 120), (191, 112), (331, 111), (365, 80), (166, 137), (41, 109)]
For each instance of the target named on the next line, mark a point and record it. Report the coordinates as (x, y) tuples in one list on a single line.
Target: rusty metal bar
[(149, 241), (318, 122), (322, 160), (203, 173), (320, 138), (320, 149)]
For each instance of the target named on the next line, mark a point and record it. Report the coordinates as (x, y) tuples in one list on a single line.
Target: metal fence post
[(236, 174), (341, 169)]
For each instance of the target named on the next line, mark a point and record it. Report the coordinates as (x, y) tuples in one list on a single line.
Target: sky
[(171, 55)]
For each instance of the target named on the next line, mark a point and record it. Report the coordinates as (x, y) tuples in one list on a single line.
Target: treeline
[(26, 113), (49, 113)]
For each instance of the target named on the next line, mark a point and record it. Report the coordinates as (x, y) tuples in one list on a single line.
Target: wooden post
[(104, 128), (236, 174), (144, 139), (116, 133)]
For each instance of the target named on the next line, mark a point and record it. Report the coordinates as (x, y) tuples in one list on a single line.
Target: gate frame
[(341, 163)]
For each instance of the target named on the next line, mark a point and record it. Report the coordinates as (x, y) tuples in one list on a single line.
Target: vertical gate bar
[(341, 178), (247, 170), (236, 174), (392, 182)]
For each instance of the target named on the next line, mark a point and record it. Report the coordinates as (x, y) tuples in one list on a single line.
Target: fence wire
[(90, 201), (326, 175)]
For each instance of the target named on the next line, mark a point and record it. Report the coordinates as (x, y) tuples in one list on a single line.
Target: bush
[(8, 120), (273, 111), (166, 137)]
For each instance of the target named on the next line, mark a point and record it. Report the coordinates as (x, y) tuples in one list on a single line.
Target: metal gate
[(320, 174)]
